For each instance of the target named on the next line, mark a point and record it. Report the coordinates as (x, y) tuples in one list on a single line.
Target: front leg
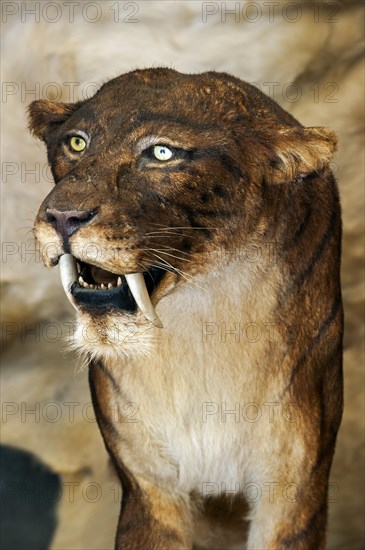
[(292, 512), (294, 518), (152, 519)]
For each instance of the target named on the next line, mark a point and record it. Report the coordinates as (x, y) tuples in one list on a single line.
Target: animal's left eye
[(161, 152), (77, 144)]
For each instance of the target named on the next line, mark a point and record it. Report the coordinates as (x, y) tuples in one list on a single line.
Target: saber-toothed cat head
[(159, 177)]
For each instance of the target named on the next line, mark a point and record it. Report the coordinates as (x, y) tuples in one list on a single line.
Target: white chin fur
[(120, 336)]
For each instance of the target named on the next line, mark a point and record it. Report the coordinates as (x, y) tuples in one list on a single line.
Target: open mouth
[(97, 290)]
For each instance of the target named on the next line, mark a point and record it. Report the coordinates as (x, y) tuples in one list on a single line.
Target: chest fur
[(210, 381)]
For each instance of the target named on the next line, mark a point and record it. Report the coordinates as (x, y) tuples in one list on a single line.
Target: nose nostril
[(66, 222)]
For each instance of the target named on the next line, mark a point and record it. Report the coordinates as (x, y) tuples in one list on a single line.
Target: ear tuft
[(300, 151), (42, 113)]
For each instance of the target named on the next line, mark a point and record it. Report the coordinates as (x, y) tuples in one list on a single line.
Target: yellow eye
[(77, 144), (161, 152)]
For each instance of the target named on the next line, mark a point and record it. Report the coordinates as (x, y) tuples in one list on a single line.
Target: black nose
[(66, 222)]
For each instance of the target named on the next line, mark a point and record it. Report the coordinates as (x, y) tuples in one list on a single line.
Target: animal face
[(159, 177)]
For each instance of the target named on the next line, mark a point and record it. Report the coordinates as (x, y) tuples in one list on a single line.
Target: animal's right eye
[(77, 144), (76, 141)]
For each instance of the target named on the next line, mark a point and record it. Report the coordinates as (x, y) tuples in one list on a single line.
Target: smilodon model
[(197, 230)]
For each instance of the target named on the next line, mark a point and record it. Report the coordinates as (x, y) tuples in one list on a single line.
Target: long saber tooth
[(137, 286), (68, 273)]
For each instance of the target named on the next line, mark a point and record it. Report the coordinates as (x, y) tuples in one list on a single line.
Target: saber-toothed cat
[(197, 228)]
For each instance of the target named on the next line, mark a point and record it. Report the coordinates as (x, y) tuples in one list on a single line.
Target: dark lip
[(116, 298)]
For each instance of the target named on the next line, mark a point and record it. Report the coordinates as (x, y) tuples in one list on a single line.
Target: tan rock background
[(309, 57)]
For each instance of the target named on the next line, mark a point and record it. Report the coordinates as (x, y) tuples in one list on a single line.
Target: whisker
[(26, 229), (176, 250), (173, 230), (168, 248), (166, 253), (168, 233), (187, 277), (184, 227)]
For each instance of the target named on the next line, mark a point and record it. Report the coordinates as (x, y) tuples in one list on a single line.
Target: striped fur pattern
[(222, 425)]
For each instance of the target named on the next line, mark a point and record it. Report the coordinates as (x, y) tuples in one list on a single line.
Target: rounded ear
[(43, 113), (299, 151)]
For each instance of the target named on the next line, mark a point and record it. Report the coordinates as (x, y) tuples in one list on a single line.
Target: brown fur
[(250, 175)]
